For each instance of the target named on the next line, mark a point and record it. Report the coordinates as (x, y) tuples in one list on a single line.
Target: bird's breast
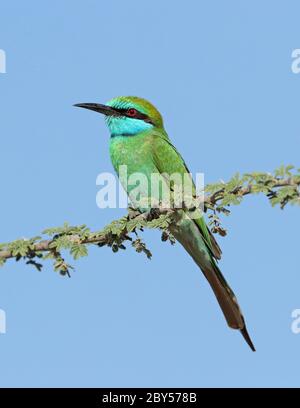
[(131, 151), (132, 159)]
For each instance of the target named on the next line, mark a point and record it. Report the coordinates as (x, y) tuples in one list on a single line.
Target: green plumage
[(139, 141)]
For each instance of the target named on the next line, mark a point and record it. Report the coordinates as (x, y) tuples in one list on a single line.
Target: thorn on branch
[(281, 188)]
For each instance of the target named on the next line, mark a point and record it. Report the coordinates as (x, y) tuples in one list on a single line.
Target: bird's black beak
[(97, 107)]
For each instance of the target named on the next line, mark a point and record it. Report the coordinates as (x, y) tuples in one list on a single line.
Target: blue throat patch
[(124, 126)]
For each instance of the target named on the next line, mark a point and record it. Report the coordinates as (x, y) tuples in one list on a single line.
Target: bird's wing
[(202, 247), (168, 160)]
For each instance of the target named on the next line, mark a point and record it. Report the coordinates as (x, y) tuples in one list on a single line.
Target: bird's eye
[(131, 112)]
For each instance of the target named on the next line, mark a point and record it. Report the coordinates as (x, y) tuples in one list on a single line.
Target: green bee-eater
[(139, 141)]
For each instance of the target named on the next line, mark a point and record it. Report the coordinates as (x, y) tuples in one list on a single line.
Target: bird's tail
[(227, 300), (189, 236)]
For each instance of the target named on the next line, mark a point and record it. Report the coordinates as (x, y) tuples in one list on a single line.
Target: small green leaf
[(78, 250)]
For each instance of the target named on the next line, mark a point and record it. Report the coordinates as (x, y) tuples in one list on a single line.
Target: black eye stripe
[(139, 115)]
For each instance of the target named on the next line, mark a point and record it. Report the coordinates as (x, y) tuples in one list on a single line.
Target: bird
[(138, 140)]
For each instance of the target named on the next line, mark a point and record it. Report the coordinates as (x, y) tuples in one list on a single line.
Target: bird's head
[(127, 115)]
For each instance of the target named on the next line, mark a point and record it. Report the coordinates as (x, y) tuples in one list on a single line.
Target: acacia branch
[(294, 182), (281, 188)]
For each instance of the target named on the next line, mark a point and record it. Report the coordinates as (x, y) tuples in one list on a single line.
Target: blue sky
[(220, 73)]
